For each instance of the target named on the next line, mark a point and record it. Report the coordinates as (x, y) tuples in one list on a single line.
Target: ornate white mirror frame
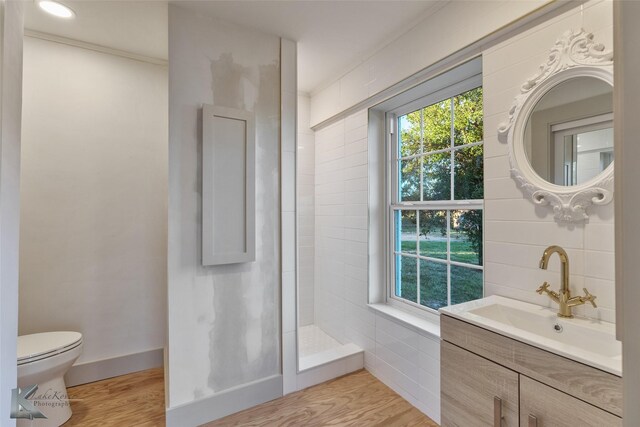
[(575, 54)]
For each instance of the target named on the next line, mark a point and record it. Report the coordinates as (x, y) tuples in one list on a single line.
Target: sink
[(589, 341)]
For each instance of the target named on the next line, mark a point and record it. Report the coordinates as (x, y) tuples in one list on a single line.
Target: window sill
[(419, 324)]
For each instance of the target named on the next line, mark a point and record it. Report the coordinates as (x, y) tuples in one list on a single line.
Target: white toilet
[(43, 359)]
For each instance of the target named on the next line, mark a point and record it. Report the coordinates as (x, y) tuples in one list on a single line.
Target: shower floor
[(316, 347), (314, 340)]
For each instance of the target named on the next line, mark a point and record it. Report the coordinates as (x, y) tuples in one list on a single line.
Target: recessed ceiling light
[(56, 9)]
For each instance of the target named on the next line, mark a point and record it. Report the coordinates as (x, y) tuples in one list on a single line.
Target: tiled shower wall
[(341, 222), (403, 358), (306, 212)]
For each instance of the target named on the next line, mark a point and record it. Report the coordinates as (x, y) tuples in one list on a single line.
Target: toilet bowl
[(43, 359)]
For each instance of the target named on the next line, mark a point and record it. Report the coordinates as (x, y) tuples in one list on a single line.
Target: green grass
[(466, 283), (461, 250)]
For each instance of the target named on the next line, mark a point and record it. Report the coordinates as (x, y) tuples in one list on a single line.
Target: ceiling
[(139, 27), (333, 36)]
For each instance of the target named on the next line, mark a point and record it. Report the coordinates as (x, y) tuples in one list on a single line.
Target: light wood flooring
[(130, 400), (357, 399)]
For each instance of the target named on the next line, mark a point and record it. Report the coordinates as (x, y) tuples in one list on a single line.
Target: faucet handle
[(543, 288), (589, 298)]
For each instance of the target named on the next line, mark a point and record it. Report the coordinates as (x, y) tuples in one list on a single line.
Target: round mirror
[(568, 137)]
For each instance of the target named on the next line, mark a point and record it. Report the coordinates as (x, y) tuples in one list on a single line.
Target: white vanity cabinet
[(491, 380)]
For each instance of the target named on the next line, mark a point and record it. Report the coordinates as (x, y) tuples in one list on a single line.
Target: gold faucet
[(563, 298)]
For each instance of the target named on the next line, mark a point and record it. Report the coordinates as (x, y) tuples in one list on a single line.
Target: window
[(582, 149), (436, 198)]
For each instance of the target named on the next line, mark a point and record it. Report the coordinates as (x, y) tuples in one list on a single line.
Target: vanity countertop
[(588, 341)]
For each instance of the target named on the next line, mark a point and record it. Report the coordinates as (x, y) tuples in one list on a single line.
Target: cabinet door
[(476, 391), (543, 406)]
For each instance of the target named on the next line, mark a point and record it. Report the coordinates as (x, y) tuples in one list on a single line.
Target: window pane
[(466, 236), (437, 126), (406, 278), (433, 284), (467, 117), (433, 234), (406, 232), (409, 131), (456, 173), (466, 284), (437, 177), (410, 179), (469, 173)]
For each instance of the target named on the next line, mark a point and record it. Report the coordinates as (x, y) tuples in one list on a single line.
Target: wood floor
[(357, 399), (130, 400)]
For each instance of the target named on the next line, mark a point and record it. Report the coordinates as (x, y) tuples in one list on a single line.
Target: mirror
[(568, 137), (559, 130)]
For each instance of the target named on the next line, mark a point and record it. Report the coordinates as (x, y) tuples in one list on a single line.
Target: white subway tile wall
[(306, 214), (516, 232), (337, 249), (401, 357)]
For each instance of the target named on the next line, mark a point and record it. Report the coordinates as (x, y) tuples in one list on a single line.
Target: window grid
[(398, 205), (443, 150), (452, 172), (449, 233), (418, 256), (421, 173), (418, 232)]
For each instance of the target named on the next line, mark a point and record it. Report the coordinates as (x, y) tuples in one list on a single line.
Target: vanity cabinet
[(476, 391), (491, 380), (544, 406)]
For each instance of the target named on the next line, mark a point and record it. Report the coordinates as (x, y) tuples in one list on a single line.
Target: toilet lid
[(30, 346)]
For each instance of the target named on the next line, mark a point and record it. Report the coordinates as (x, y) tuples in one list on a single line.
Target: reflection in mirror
[(568, 137)]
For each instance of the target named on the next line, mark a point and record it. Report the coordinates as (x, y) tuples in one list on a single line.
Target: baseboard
[(225, 403), (114, 367)]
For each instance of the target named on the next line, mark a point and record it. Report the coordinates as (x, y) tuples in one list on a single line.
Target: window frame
[(393, 203), (572, 127)]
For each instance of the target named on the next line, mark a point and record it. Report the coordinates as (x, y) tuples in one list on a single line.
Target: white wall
[(288, 199), (305, 179), (93, 198), (516, 232), (340, 221), (402, 357), (627, 126), (224, 321), (453, 27), (11, 30)]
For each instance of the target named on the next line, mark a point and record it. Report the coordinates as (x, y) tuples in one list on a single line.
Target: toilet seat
[(34, 347)]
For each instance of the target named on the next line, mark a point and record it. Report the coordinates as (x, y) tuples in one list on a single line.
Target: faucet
[(563, 298)]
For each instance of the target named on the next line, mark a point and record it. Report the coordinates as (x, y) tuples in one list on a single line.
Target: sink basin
[(584, 340)]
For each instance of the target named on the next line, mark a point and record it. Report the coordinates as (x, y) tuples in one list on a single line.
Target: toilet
[(43, 359)]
